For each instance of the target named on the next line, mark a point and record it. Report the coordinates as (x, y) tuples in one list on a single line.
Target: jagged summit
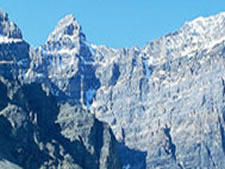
[(165, 101), (199, 34), (210, 27), (3, 15), (67, 27), (213, 18), (8, 29)]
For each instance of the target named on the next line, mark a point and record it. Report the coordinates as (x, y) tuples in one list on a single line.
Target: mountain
[(65, 62), (36, 131), (164, 102), (14, 51), (168, 98)]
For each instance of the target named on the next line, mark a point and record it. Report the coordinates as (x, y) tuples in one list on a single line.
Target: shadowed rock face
[(14, 59), (42, 123), (165, 102), (14, 51), (36, 132)]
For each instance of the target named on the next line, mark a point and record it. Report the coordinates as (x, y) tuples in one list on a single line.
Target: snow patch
[(127, 166), (4, 39), (89, 95), (2, 62)]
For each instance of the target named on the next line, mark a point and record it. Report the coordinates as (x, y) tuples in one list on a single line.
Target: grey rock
[(14, 59), (36, 132), (164, 102), (164, 99), (168, 99), (64, 63), (39, 132), (8, 28)]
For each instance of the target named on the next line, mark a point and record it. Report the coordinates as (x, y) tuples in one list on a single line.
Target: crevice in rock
[(223, 85), (148, 70), (170, 148), (115, 74), (203, 100), (89, 83), (222, 133), (210, 155)]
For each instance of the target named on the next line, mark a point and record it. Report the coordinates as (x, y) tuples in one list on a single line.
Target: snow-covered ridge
[(200, 33), (194, 35), (210, 20), (158, 88), (207, 29), (166, 99)]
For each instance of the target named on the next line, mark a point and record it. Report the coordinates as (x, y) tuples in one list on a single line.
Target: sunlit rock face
[(8, 29), (168, 98), (165, 99), (164, 102), (39, 132), (65, 63)]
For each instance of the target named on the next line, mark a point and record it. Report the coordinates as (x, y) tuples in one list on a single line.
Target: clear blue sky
[(115, 23)]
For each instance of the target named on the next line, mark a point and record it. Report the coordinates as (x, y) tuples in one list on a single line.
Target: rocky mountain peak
[(165, 101), (208, 27), (8, 29), (3, 15), (67, 28), (200, 34)]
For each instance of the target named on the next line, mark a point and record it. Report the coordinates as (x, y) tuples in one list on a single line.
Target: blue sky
[(115, 23)]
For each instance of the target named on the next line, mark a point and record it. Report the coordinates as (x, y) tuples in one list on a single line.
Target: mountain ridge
[(165, 100)]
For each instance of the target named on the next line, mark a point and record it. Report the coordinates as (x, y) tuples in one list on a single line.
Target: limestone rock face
[(14, 59), (168, 98), (164, 103), (37, 131), (14, 51), (65, 63), (8, 29)]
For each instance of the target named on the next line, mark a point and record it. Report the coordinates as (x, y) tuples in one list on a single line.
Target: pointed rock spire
[(3, 16), (8, 29), (68, 27)]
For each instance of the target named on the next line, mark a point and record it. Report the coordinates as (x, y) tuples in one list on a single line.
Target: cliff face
[(165, 102), (36, 131), (168, 98), (14, 51)]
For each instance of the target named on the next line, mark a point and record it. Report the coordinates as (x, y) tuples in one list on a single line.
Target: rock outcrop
[(164, 102), (38, 132)]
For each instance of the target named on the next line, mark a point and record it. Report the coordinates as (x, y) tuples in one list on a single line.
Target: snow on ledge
[(4, 39)]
